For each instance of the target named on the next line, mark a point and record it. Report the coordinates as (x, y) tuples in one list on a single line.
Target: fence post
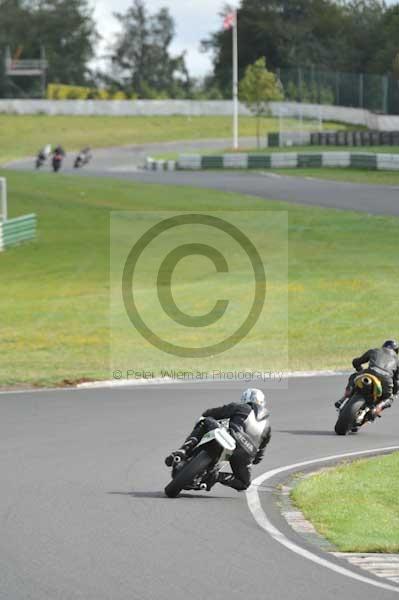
[(361, 90), (3, 198), (300, 84), (385, 94), (337, 87)]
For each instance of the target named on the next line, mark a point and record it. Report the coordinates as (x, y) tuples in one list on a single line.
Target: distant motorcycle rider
[(250, 427), (45, 152), (83, 157), (384, 364), (59, 150), (43, 155)]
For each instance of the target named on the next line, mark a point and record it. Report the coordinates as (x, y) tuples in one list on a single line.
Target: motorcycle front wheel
[(197, 465)]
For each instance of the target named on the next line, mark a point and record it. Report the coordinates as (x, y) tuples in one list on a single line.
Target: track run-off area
[(82, 509)]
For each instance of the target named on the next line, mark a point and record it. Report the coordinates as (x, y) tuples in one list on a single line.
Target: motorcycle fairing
[(221, 436)]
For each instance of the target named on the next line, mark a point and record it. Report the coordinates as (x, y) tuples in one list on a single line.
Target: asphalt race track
[(82, 510), (83, 513), (125, 163)]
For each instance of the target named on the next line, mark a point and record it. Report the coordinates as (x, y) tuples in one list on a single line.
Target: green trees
[(336, 35), (141, 56), (141, 61), (257, 89), (68, 32), (64, 27)]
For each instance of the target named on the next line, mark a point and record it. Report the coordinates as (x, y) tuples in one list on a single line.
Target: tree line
[(358, 36), (337, 35)]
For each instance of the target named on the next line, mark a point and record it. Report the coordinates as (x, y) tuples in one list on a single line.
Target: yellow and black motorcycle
[(357, 409)]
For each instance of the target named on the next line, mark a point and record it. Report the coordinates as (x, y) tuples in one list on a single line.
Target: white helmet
[(257, 399)]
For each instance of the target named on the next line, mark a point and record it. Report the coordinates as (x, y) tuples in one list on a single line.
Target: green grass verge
[(355, 505), (345, 174), (23, 135), (54, 294)]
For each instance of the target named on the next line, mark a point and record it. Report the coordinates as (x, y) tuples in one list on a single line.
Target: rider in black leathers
[(248, 424), (383, 363)]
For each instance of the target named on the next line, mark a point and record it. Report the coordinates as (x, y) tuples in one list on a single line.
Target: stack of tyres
[(349, 138), (274, 140), (366, 138), (386, 138), (357, 138), (341, 138), (375, 138), (323, 139), (315, 139), (331, 138)]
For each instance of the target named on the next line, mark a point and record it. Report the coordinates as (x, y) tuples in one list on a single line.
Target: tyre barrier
[(333, 138), (281, 160), (16, 231), (151, 164)]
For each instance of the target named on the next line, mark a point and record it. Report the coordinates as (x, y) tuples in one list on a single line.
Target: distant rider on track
[(383, 363), (248, 424)]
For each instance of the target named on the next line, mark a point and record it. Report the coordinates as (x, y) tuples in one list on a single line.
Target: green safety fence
[(16, 231), (377, 93)]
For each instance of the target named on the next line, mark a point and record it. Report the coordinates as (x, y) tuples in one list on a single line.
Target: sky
[(194, 20)]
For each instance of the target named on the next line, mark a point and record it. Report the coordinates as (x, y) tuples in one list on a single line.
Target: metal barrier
[(14, 231), (291, 160), (3, 199)]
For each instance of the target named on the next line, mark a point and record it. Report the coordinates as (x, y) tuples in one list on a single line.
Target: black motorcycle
[(40, 160), (204, 462), (57, 161), (356, 411), (83, 158)]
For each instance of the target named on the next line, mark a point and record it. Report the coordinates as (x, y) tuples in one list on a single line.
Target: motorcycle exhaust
[(176, 459)]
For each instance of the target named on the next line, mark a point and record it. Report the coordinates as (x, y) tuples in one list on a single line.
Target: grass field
[(355, 506), (54, 301), (23, 135)]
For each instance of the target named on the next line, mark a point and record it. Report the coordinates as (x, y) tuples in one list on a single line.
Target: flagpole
[(235, 82)]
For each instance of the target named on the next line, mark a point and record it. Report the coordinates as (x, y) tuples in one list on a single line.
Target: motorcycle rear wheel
[(347, 416), (197, 465)]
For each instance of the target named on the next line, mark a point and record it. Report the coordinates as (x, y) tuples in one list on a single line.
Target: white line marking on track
[(260, 517), (166, 380), (109, 383)]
